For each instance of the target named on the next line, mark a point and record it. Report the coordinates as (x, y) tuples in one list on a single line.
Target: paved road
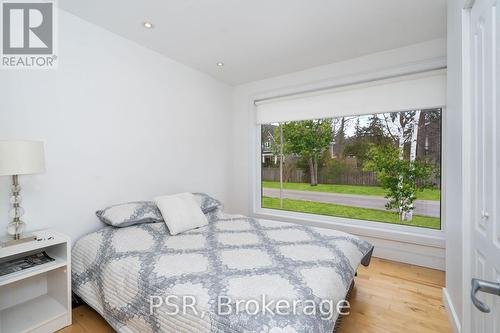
[(422, 207)]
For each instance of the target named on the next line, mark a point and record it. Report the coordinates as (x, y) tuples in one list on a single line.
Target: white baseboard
[(420, 255), (452, 314)]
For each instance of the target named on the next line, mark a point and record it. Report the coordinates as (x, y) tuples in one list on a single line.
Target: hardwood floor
[(394, 297), (389, 297)]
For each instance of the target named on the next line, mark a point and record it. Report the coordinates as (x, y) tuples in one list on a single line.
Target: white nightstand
[(37, 299)]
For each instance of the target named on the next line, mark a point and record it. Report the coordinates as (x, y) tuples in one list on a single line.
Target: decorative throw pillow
[(181, 212), (130, 213), (207, 203)]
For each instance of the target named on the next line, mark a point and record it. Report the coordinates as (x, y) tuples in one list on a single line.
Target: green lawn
[(348, 212), (426, 194)]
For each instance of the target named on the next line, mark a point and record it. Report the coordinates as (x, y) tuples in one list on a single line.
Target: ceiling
[(256, 39)]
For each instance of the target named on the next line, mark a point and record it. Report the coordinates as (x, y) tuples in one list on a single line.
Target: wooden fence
[(300, 176), (352, 177)]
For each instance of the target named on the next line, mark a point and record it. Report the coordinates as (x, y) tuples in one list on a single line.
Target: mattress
[(238, 274)]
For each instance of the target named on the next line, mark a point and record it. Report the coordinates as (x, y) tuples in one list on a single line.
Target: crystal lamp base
[(16, 228)]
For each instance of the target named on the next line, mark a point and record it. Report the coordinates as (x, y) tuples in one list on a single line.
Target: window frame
[(382, 230)]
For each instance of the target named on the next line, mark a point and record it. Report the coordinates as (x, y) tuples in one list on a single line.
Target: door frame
[(467, 169)]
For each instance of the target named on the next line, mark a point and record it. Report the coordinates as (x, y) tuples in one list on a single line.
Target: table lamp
[(19, 158)]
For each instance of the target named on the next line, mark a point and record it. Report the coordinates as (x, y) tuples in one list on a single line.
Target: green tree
[(402, 178), (308, 139), (358, 131), (364, 137), (358, 147), (375, 131)]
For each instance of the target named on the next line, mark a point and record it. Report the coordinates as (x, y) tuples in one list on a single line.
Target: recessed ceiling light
[(220, 64), (147, 25)]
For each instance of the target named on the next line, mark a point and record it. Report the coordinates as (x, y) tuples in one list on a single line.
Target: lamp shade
[(21, 157)]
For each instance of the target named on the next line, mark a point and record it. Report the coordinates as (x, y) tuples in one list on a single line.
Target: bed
[(124, 272)]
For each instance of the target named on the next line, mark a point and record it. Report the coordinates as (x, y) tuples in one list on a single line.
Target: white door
[(485, 166)]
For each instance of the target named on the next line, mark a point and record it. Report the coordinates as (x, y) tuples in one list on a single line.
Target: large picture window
[(382, 167)]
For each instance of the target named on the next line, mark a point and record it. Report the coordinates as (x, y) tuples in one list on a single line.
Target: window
[(382, 167)]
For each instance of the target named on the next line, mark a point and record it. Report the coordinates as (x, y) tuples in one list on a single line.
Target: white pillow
[(181, 212)]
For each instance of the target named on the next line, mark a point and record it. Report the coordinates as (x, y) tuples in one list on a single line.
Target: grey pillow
[(130, 213), (137, 212), (207, 203)]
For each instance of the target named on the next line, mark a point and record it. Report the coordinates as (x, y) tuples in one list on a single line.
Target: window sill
[(386, 231)]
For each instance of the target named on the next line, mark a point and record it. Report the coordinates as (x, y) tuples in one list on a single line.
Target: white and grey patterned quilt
[(117, 270)]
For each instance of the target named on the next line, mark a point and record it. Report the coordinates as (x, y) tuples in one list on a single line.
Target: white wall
[(453, 161), (120, 122)]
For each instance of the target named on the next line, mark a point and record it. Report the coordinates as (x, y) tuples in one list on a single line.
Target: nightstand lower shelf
[(32, 314)]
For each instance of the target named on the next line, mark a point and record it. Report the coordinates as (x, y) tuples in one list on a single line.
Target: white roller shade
[(417, 91)]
